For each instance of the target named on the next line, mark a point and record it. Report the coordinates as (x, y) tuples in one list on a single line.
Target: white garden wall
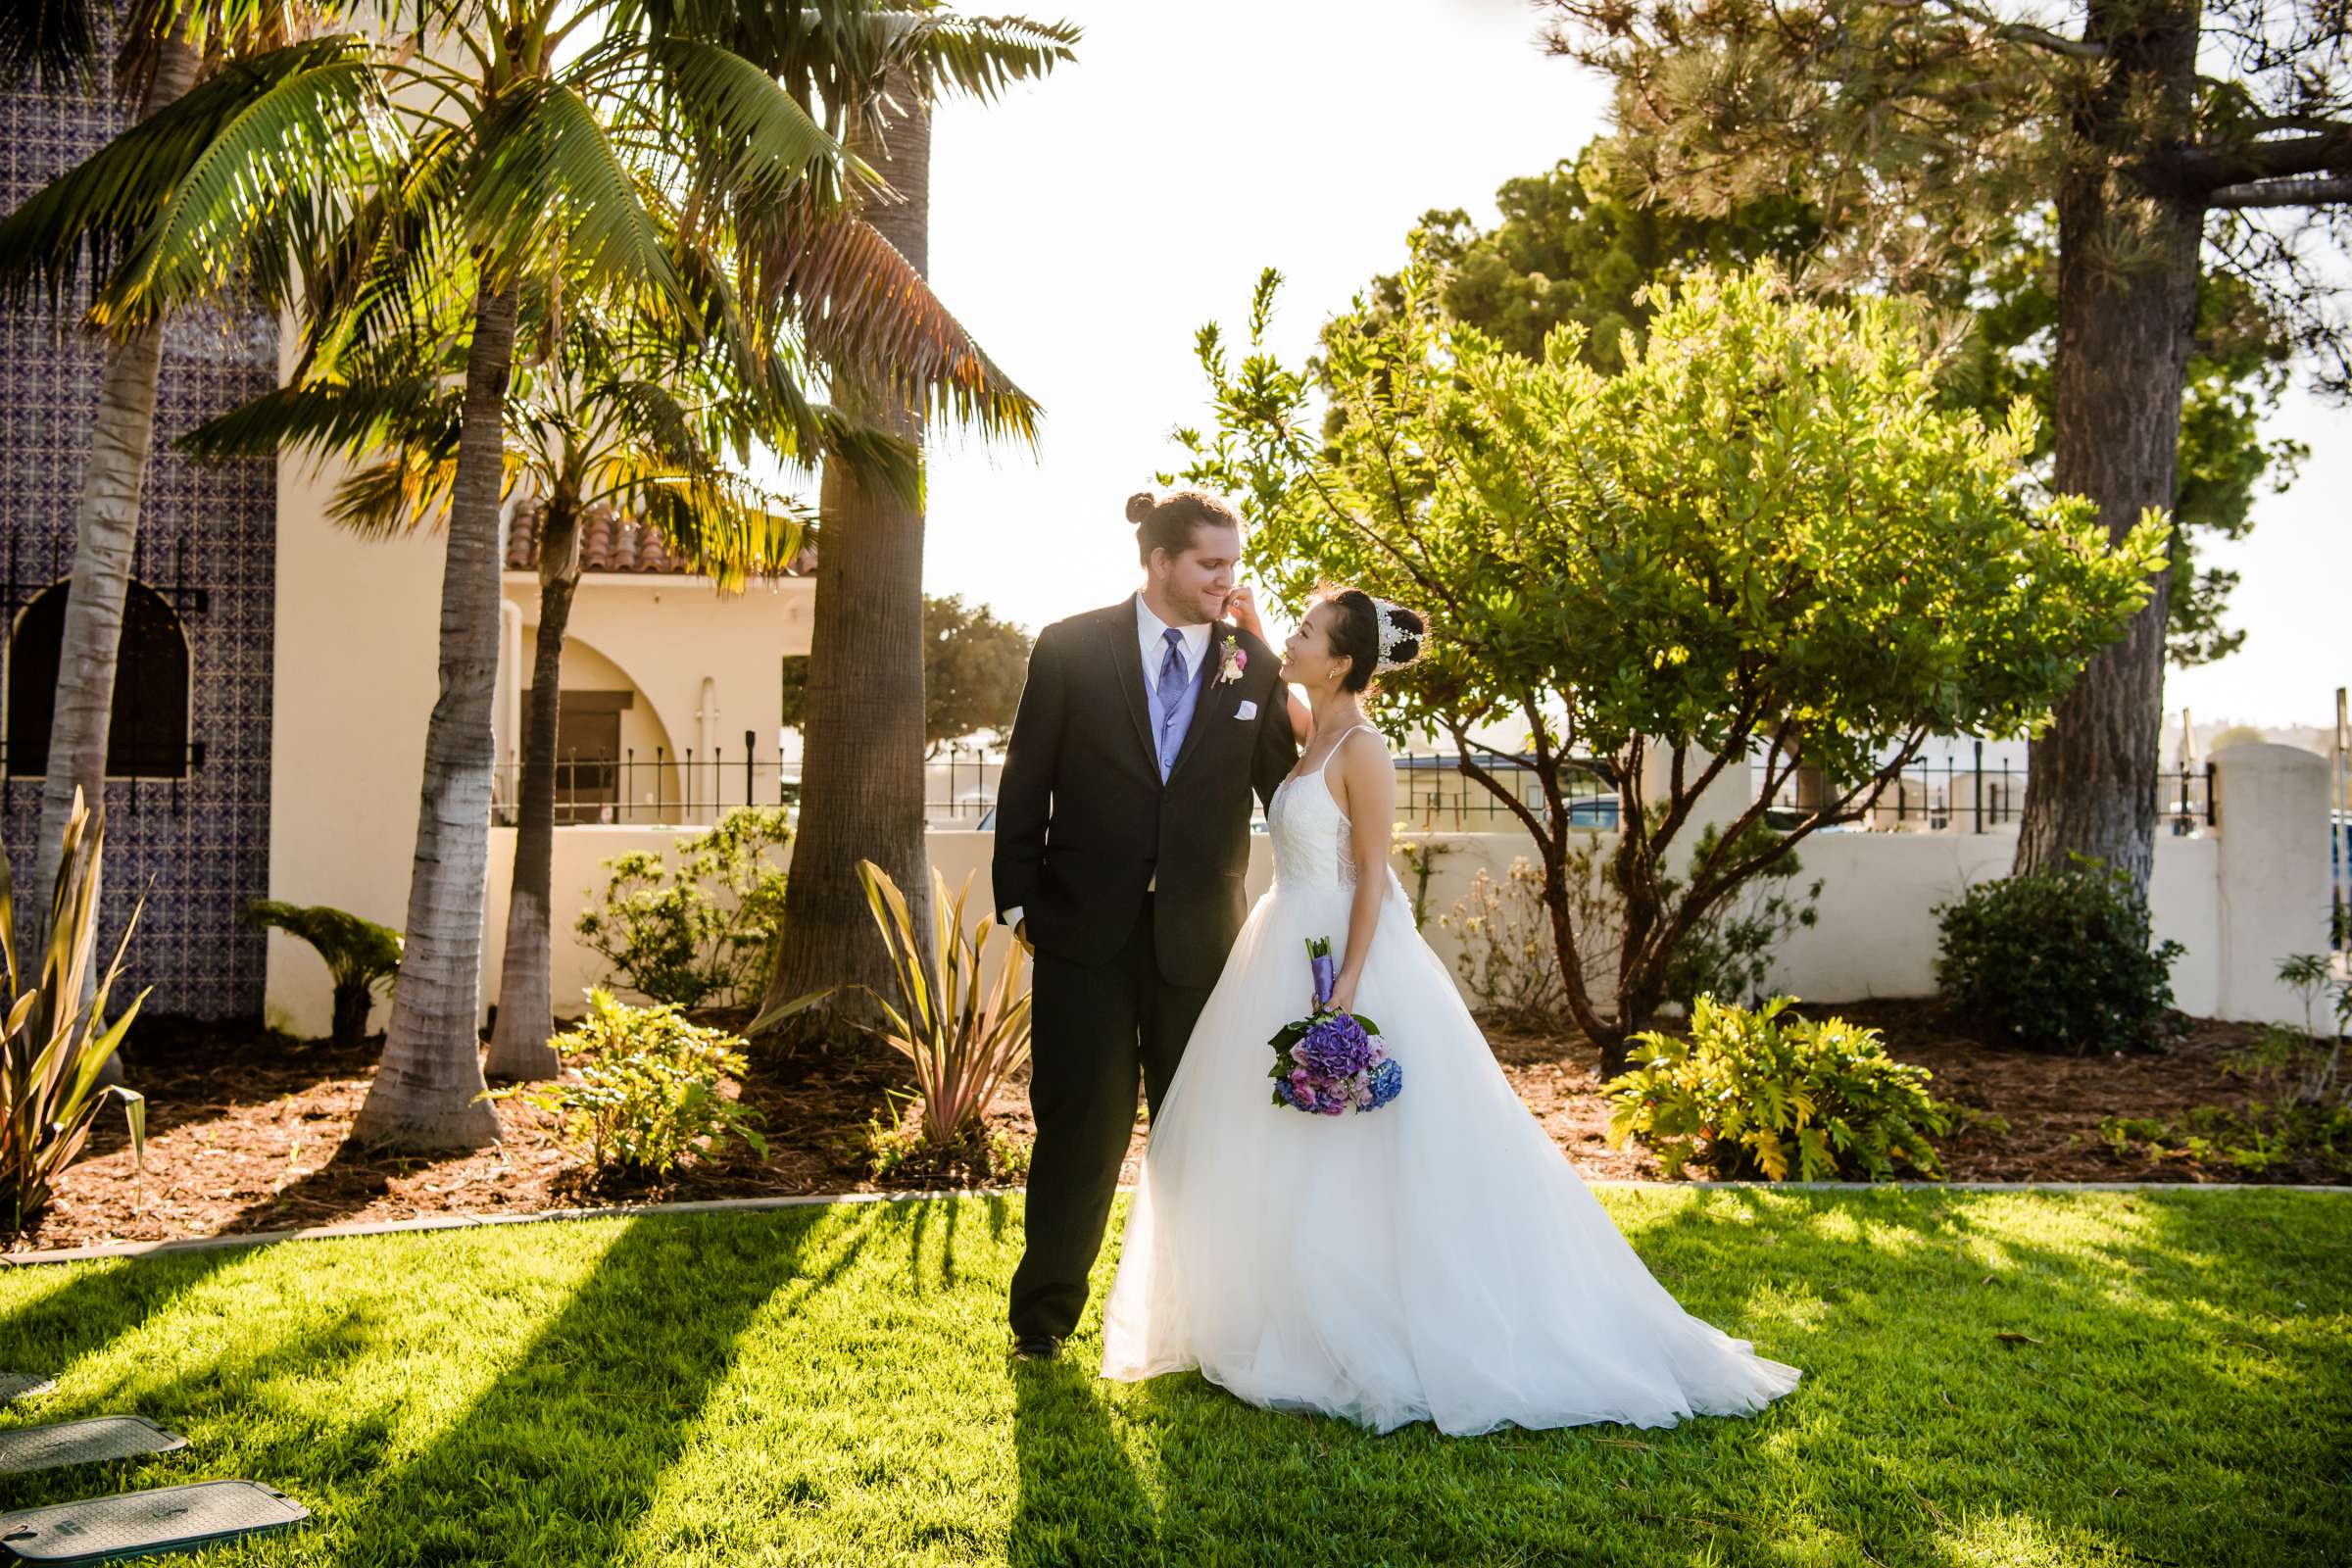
[(2239, 899)]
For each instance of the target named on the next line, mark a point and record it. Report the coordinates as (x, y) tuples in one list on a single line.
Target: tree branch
[(2199, 173), (2042, 38), (2306, 191)]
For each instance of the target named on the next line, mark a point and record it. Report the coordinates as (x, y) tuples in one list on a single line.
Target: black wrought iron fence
[(137, 778), (1956, 794), (1433, 793), (667, 789), (1953, 794)]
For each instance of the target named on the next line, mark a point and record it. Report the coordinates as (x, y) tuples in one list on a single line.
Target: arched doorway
[(147, 734)]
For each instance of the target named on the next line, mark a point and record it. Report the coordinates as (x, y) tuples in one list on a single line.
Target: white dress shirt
[(1150, 632), (1151, 637)]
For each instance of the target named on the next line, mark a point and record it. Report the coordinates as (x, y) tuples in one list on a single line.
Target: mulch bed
[(246, 1130)]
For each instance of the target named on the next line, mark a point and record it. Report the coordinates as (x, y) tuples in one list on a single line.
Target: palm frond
[(284, 168), (550, 178), (399, 270), (729, 531), (51, 45), (761, 140), (395, 495), (416, 411), (977, 56), (866, 311), (882, 463), (167, 206)]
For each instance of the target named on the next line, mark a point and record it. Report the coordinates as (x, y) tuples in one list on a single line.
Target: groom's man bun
[(1168, 523), (1356, 635)]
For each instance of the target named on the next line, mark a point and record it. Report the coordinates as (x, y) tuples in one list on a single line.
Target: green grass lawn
[(1998, 1379)]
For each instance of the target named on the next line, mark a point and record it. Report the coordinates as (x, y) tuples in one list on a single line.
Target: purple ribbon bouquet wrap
[(1331, 1062)]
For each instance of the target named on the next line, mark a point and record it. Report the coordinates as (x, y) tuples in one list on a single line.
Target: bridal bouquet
[(1331, 1062)]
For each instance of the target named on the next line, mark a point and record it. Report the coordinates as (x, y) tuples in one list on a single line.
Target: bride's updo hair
[(1168, 523), (1355, 634)]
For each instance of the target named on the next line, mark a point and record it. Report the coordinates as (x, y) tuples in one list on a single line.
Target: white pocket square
[(1248, 709)]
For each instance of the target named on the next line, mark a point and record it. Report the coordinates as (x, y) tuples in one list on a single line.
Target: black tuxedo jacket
[(1084, 823)]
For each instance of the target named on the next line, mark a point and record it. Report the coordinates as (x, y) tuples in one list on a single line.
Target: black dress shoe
[(1036, 1347)]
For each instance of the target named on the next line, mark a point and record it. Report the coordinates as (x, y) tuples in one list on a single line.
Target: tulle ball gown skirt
[(1437, 1259)]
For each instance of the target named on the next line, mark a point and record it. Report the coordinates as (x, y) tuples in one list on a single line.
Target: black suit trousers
[(1094, 1030)]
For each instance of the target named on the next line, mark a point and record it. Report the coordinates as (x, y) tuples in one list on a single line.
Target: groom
[(1122, 839)]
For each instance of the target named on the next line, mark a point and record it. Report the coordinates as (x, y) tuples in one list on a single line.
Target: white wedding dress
[(1437, 1259)]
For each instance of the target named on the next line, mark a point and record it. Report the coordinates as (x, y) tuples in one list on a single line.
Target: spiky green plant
[(54, 1044), (965, 1032)]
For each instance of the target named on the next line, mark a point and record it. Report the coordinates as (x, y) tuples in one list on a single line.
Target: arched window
[(148, 734)]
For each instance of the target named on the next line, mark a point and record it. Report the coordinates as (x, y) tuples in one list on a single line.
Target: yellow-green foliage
[(1751, 1094), (649, 1087)]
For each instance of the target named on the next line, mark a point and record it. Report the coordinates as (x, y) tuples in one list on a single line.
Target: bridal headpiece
[(1393, 638)]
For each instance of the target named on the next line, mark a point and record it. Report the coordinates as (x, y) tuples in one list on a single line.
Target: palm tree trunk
[(862, 757), (2124, 338), (526, 1016), (106, 533), (425, 1093)]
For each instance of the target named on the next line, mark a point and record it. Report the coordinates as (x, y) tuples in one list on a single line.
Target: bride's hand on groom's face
[(1241, 606)]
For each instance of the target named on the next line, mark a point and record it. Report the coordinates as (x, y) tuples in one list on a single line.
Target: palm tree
[(606, 411), (862, 779), (165, 49), (519, 163), (516, 166)]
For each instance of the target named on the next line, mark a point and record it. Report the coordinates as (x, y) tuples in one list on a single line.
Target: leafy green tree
[(1572, 246), (1764, 537), (973, 667), (2148, 138)]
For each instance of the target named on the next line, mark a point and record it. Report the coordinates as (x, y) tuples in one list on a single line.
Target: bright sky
[(1084, 226)]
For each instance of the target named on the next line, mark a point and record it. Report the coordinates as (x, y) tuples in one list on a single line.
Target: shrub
[(1507, 960), (965, 1033), (53, 1048), (1729, 951), (2255, 1139), (1421, 855), (897, 1148), (1510, 962), (359, 953), (2058, 959), (705, 934), (648, 1088), (1749, 1094)]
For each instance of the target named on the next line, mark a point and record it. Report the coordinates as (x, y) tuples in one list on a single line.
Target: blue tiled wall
[(196, 851)]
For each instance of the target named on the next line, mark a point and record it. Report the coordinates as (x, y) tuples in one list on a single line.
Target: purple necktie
[(1173, 679)]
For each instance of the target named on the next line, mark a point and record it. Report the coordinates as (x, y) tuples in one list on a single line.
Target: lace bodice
[(1310, 832)]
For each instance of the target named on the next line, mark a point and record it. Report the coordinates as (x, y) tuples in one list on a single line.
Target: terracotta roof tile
[(611, 543)]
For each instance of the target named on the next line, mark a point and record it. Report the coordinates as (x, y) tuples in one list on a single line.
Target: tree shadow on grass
[(2008, 1378), (559, 1461), (1080, 1500), (59, 1330)]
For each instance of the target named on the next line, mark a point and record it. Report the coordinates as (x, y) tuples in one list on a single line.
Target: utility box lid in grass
[(136, 1524), (100, 1437)]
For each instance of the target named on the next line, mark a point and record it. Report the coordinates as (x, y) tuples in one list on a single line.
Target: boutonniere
[(1236, 660)]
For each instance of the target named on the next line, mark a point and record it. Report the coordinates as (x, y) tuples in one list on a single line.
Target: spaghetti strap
[(1325, 769)]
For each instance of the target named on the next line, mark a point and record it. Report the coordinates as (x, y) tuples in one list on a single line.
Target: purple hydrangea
[(1335, 1047), (1329, 1064)]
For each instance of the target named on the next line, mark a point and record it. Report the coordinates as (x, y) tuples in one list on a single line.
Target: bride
[(1435, 1259)]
